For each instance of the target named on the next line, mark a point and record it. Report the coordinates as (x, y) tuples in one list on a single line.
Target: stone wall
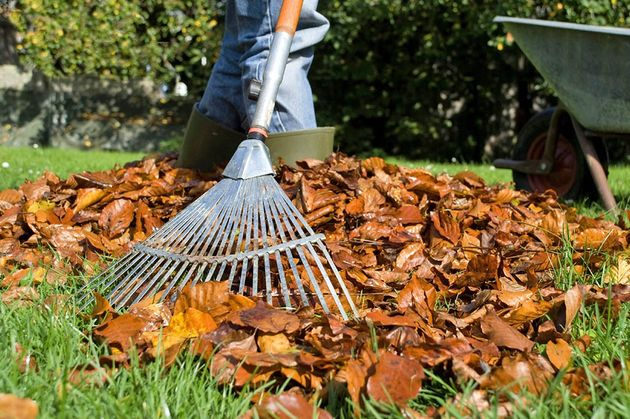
[(83, 112)]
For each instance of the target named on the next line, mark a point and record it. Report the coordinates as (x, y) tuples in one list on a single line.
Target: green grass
[(18, 164), (58, 341)]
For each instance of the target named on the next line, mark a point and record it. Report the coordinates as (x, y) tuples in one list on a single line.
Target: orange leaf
[(116, 217), (502, 334), (288, 405), (274, 343), (396, 379), (13, 407), (204, 296), (87, 197), (267, 319), (559, 353), (446, 225)]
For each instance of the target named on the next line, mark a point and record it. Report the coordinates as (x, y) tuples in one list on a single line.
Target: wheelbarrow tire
[(570, 176)]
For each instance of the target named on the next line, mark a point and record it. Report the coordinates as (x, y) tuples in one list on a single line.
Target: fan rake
[(244, 231)]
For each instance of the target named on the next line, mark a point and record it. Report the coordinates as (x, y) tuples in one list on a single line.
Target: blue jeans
[(249, 26)]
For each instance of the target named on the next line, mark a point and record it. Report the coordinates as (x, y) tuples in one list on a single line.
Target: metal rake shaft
[(244, 231)]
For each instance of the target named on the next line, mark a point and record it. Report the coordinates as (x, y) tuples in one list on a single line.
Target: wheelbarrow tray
[(587, 66)]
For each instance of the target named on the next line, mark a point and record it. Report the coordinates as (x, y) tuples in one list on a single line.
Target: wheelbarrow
[(564, 148)]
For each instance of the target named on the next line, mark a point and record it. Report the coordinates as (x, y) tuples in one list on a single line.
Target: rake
[(244, 230)]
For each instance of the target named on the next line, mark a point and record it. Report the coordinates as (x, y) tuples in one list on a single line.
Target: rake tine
[(132, 286), (176, 279), (125, 285), (123, 265), (266, 261), (338, 276), (216, 218), (288, 210), (145, 274), (272, 232), (172, 228), (211, 273), (199, 274), (324, 251), (146, 290), (327, 281), (139, 259), (278, 221), (235, 211), (206, 221), (248, 237), (242, 223), (288, 205), (255, 239), (228, 238)]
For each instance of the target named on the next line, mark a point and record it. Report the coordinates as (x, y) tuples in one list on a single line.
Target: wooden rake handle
[(289, 16)]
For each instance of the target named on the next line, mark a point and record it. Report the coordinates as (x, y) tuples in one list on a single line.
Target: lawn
[(53, 341), (20, 164)]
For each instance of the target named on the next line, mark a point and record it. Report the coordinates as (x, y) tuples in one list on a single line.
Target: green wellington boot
[(291, 146), (208, 143)]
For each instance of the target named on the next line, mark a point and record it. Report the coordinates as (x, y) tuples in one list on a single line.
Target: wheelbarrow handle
[(289, 16)]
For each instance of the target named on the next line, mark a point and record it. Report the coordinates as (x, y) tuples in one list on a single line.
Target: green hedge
[(425, 78), (165, 40)]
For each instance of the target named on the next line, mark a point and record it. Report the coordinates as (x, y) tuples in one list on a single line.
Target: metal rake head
[(244, 231)]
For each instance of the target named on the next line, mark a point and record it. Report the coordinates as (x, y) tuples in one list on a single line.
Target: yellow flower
[(500, 46), (559, 6)]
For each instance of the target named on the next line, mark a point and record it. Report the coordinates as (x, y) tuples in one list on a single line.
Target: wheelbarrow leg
[(596, 169)]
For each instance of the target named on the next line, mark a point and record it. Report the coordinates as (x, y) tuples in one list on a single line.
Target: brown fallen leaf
[(396, 379), (572, 302), (91, 375), (619, 271), (559, 353), (87, 197), (11, 196), (274, 343), (13, 407), (446, 226), (504, 335), (288, 405), (267, 319), (524, 371), (21, 296), (116, 217), (25, 359)]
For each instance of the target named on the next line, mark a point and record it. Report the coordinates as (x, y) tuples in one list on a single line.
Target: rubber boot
[(292, 146), (207, 143)]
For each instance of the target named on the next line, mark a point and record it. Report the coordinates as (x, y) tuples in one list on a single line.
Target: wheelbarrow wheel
[(570, 176)]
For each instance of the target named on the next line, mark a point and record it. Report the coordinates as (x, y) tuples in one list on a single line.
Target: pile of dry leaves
[(448, 273)]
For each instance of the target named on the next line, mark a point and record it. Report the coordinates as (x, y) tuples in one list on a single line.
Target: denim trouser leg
[(248, 33)]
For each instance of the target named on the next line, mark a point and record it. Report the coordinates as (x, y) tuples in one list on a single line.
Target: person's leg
[(222, 100), (215, 126), (223, 113), (256, 21)]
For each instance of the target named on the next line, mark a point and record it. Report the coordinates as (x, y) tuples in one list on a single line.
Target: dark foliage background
[(430, 78)]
